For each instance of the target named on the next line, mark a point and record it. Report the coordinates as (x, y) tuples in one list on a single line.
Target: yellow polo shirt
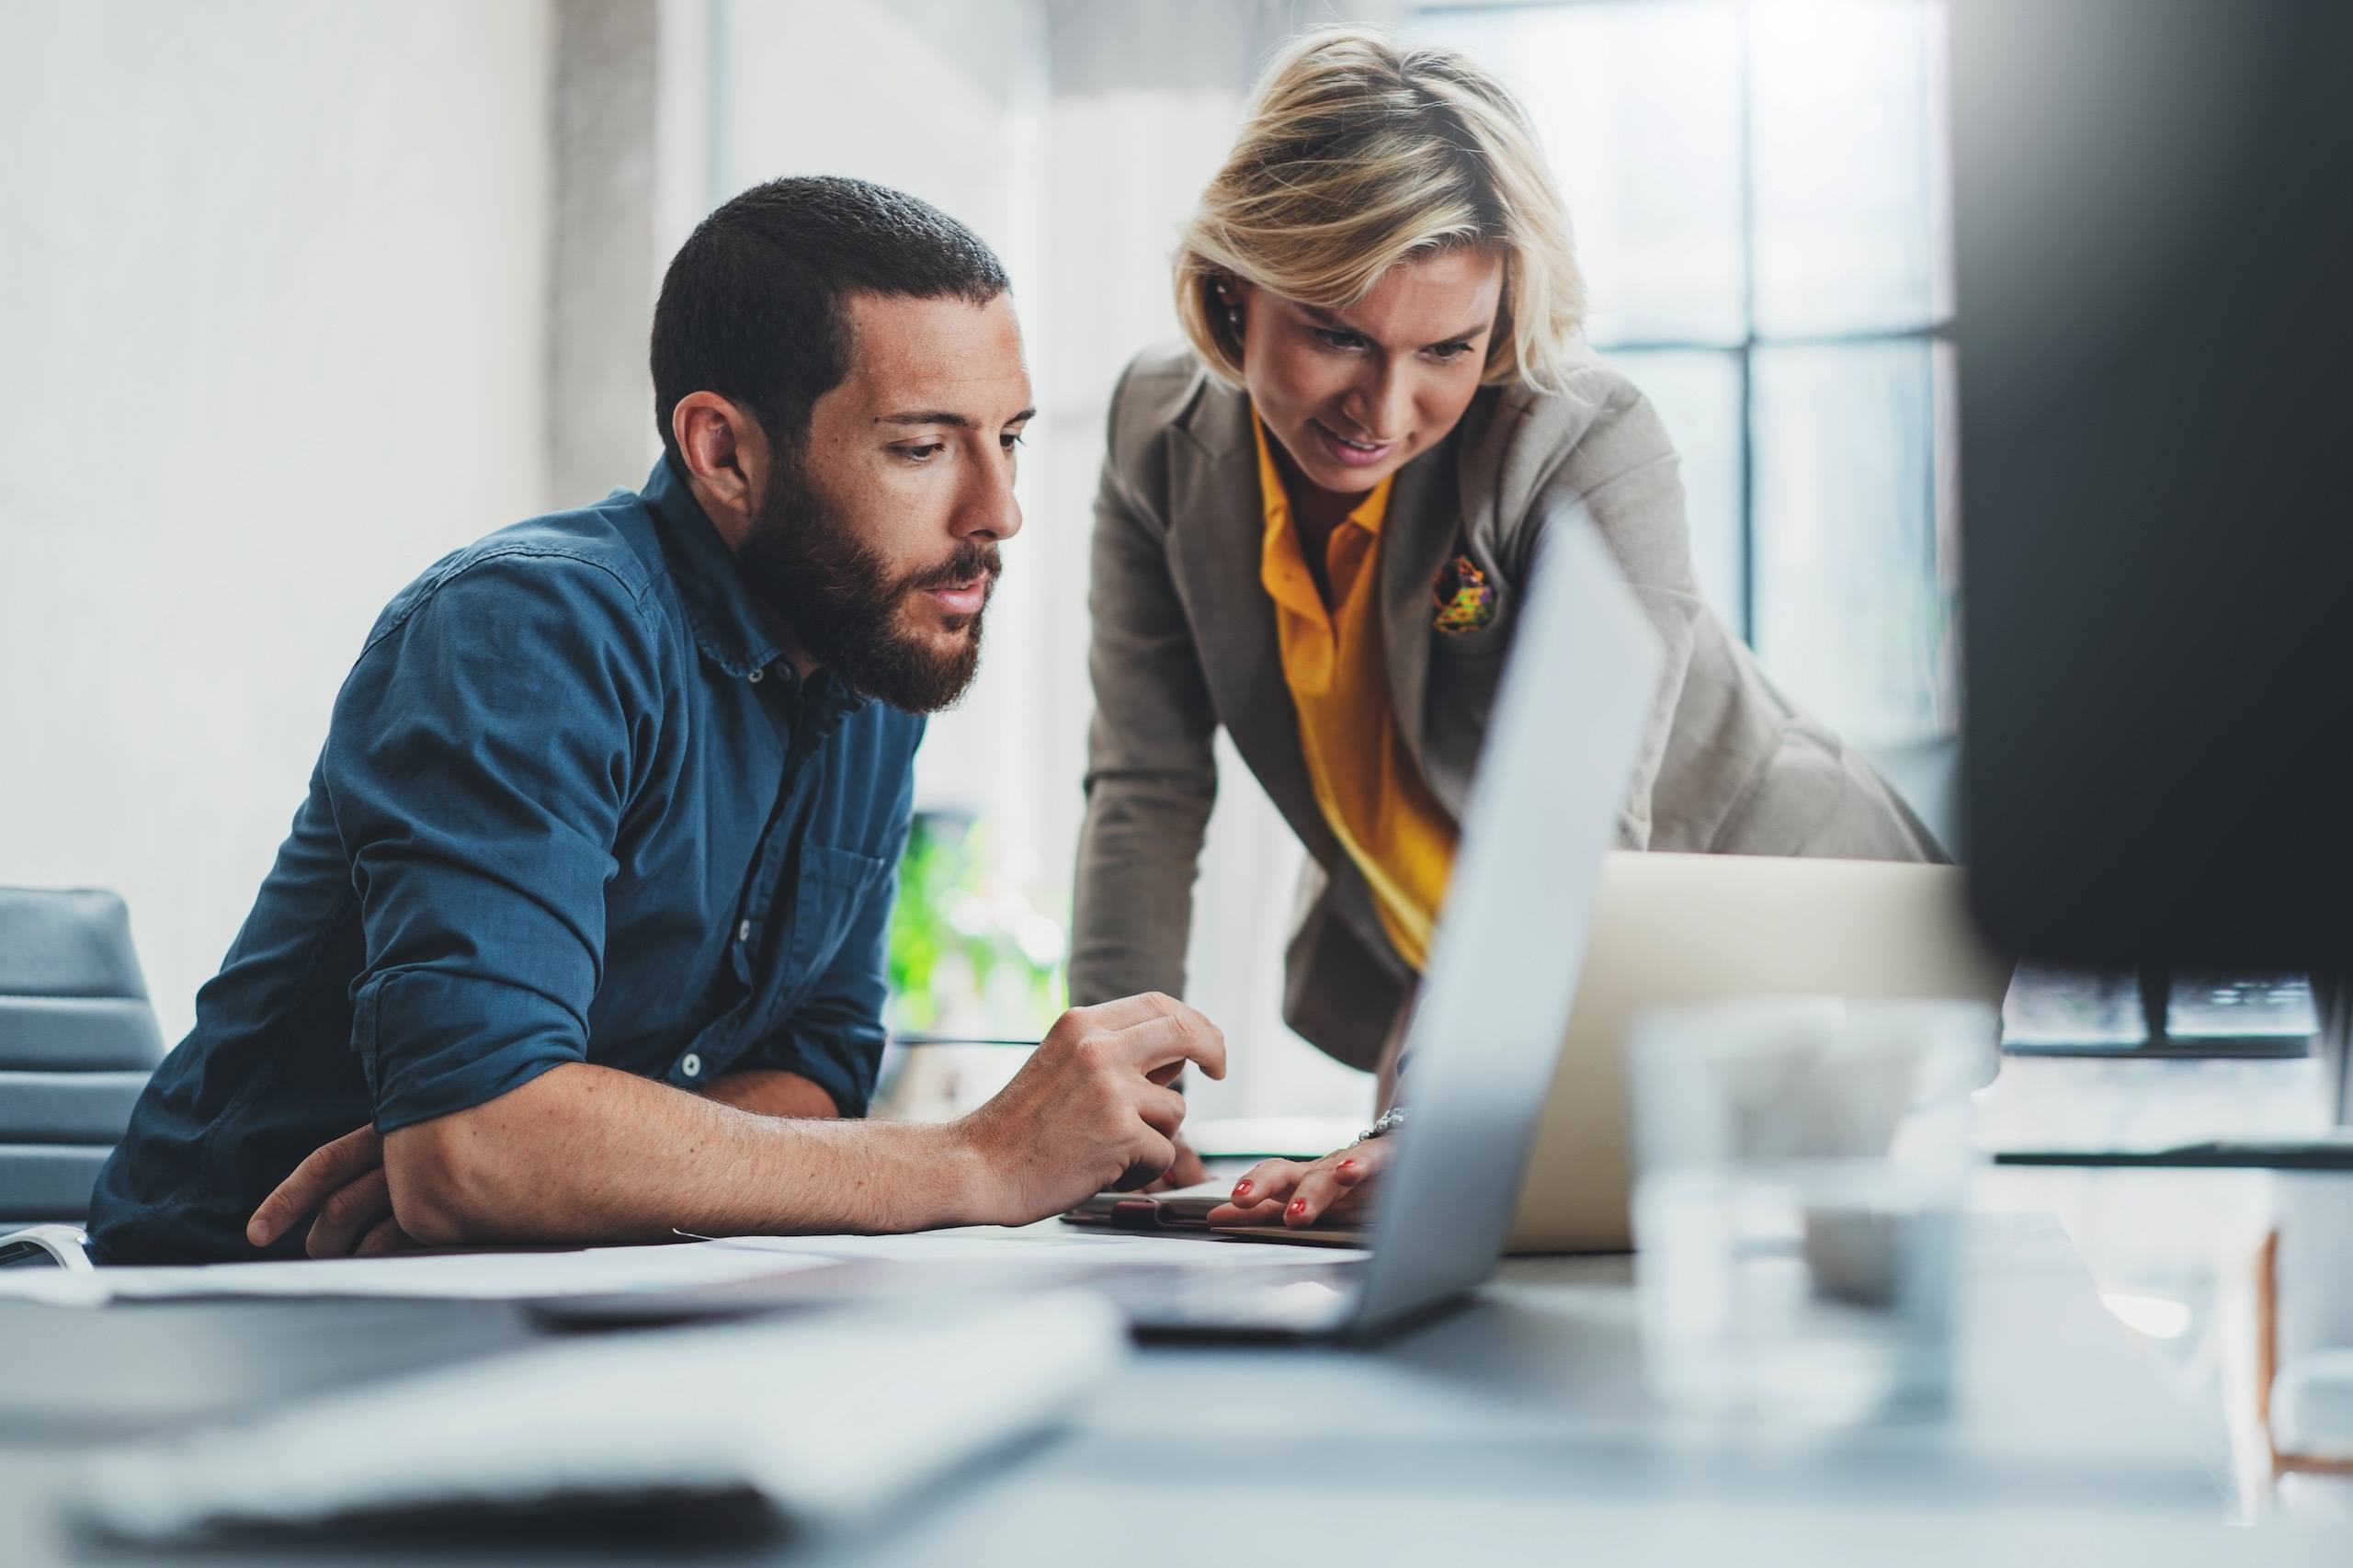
[(1365, 780)]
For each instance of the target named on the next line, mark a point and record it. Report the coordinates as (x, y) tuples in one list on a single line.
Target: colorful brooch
[(1466, 600)]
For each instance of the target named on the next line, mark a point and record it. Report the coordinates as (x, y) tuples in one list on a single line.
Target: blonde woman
[(1315, 522)]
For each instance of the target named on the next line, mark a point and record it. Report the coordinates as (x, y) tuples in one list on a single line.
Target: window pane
[(1848, 121), (1697, 392), (1638, 109), (1855, 592)]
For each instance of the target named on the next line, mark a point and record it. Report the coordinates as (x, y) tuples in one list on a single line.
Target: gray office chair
[(77, 1042)]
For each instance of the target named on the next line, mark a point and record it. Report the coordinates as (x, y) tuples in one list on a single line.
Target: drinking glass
[(1801, 1164)]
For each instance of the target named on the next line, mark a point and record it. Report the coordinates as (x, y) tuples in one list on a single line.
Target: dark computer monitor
[(2152, 213)]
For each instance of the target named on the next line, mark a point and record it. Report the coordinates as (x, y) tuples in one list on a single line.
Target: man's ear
[(726, 457)]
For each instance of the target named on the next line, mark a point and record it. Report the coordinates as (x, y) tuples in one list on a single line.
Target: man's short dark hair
[(753, 305)]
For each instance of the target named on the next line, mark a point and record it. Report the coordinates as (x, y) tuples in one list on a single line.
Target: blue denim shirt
[(573, 806)]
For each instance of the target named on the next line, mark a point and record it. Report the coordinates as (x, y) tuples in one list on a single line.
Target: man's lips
[(966, 598), (1349, 452)]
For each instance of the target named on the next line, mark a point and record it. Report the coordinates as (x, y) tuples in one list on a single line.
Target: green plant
[(953, 927)]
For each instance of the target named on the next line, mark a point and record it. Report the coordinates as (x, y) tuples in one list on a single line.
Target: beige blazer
[(1185, 642)]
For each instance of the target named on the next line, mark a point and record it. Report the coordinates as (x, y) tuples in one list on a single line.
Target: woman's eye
[(1447, 353), (1339, 340), (1012, 438)]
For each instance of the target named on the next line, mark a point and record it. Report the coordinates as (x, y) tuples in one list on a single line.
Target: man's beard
[(845, 607)]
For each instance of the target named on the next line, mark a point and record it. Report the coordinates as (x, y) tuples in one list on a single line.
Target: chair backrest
[(77, 1042)]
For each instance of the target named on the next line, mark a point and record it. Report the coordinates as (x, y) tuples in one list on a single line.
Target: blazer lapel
[(1216, 538), (1418, 535)]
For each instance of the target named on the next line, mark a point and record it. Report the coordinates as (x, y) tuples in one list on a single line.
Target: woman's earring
[(1233, 311)]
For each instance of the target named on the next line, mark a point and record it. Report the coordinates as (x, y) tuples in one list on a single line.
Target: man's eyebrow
[(942, 416), (929, 417)]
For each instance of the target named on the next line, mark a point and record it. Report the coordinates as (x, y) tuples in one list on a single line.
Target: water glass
[(1802, 1163)]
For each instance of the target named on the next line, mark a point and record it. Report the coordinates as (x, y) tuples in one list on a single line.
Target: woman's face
[(1353, 395)]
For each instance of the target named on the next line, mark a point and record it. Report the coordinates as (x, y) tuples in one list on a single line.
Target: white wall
[(270, 318)]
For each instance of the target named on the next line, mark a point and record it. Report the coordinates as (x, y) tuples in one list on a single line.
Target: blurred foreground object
[(2153, 236), (1802, 1165), (823, 1422)]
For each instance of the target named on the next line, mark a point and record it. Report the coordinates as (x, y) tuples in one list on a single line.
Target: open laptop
[(1682, 928)]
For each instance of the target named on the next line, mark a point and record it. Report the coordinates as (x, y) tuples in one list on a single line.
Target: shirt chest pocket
[(832, 887)]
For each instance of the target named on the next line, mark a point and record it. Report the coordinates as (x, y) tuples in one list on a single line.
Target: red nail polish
[(1299, 1205), (1240, 1188), (1347, 1164)]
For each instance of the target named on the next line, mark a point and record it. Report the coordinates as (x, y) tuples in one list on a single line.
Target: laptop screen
[(1560, 757)]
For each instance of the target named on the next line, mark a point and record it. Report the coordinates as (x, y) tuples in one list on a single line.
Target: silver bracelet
[(1390, 1121)]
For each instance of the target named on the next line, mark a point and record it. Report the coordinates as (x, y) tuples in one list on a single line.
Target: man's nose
[(988, 508)]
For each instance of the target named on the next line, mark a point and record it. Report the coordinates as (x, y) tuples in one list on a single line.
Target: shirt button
[(755, 678), (691, 1066), (743, 931)]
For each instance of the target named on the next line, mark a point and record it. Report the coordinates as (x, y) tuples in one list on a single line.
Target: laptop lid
[(1677, 929), (1544, 806)]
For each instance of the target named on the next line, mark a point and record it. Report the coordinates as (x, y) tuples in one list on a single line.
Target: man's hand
[(1187, 1170), (343, 1183), (1090, 1109)]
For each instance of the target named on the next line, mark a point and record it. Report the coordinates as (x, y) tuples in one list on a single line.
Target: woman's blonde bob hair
[(1358, 154)]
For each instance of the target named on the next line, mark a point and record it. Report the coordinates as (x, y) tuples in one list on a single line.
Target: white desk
[(1515, 1429)]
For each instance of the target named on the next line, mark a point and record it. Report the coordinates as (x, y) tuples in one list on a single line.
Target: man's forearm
[(588, 1154)]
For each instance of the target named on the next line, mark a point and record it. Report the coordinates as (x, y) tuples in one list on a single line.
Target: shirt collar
[(729, 627), (1367, 514), (726, 618)]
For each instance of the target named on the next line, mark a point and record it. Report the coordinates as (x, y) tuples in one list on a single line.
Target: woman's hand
[(1337, 1189)]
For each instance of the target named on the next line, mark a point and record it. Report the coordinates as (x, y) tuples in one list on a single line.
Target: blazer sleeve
[(1621, 475), (1151, 761)]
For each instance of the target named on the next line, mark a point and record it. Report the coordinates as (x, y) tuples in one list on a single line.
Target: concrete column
[(601, 268)]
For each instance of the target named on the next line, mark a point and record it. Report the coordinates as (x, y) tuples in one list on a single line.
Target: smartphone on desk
[(1188, 1209)]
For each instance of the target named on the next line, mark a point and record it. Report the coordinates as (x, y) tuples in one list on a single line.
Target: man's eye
[(922, 452), (1339, 340)]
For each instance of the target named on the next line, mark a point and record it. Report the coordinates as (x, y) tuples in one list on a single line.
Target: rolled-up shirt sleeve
[(834, 1037), (478, 763)]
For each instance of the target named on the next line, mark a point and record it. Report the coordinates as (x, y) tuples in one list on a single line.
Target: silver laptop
[(1544, 810)]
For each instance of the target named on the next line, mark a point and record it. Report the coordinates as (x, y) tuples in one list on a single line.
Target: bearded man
[(579, 933)]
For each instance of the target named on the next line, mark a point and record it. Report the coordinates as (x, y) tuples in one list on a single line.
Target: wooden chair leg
[(2266, 1339)]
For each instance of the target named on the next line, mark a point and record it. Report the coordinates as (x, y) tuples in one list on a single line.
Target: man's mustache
[(969, 562)]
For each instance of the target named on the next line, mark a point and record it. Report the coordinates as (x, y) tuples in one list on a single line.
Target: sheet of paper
[(1057, 1246), (482, 1275)]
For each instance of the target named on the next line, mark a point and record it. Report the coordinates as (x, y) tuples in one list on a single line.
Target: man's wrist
[(962, 1185)]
